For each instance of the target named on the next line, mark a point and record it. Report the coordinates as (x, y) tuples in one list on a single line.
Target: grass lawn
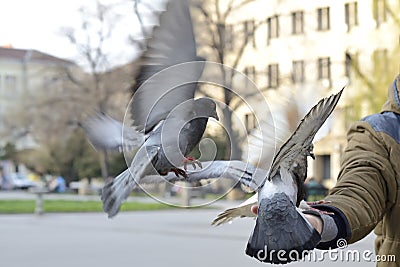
[(28, 206)]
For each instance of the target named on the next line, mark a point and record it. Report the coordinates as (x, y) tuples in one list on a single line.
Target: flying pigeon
[(280, 224), (167, 121)]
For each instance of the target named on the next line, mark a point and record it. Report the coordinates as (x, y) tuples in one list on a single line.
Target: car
[(19, 181)]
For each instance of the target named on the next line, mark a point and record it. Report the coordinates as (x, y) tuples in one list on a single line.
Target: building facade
[(307, 50), (24, 72)]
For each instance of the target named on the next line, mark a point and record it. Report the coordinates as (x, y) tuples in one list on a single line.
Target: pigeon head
[(206, 107)]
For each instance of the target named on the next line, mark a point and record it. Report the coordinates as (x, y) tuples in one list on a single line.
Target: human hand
[(315, 221)]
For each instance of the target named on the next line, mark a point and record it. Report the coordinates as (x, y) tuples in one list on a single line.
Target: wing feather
[(163, 81), (300, 141)]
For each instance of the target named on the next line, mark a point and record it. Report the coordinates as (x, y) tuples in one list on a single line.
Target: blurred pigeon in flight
[(171, 122), (280, 226)]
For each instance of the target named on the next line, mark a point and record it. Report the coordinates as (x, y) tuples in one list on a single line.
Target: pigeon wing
[(169, 68), (104, 132), (299, 143), (239, 171)]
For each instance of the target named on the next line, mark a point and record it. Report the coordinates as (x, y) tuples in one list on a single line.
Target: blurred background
[(61, 60)]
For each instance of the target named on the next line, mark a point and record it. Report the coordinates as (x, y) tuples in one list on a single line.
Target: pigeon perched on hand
[(164, 111), (280, 225)]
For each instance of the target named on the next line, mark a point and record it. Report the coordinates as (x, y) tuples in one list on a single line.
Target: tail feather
[(233, 213), (118, 189), (243, 210), (281, 228)]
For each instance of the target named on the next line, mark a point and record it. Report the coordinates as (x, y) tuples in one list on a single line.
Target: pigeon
[(280, 225), (167, 121)]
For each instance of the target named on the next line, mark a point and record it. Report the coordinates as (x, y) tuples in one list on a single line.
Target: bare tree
[(99, 87), (224, 43), (142, 10), (385, 64)]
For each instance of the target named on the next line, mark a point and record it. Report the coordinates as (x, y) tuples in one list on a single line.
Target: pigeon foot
[(193, 161), (179, 172)]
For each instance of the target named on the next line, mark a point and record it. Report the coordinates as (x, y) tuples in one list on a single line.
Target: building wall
[(22, 78), (361, 39)]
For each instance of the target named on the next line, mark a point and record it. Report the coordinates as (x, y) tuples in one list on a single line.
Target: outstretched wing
[(299, 144), (105, 132), (165, 79), (239, 171)]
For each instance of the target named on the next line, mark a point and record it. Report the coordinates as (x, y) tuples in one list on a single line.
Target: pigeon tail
[(243, 210), (233, 213), (115, 191), (118, 189), (281, 234)]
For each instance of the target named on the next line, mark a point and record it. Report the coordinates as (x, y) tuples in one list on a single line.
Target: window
[(351, 65), (351, 15), (249, 29), (323, 19), (348, 65), (380, 11), (250, 121), (297, 22), (250, 72), (324, 69), (323, 167), (10, 85), (273, 27), (298, 71), (273, 76)]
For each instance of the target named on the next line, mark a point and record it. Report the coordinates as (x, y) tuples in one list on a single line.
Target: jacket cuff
[(343, 226)]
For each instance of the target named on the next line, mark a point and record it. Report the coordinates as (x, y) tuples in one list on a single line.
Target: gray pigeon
[(280, 225), (163, 107)]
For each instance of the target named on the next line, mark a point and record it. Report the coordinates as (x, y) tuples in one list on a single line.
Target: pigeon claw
[(192, 161), (318, 202), (322, 211), (179, 172)]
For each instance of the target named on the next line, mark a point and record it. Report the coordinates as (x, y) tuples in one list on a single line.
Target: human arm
[(365, 187)]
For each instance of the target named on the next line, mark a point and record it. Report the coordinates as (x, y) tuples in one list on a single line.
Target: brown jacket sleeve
[(366, 184)]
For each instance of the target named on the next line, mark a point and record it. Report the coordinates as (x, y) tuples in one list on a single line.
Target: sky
[(36, 25)]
